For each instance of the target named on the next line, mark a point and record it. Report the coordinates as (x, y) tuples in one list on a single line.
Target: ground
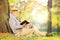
[(7, 36)]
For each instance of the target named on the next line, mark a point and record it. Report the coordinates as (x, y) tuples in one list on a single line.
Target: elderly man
[(21, 29), (14, 21)]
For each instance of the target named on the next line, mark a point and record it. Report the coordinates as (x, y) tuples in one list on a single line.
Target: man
[(14, 22), (21, 29)]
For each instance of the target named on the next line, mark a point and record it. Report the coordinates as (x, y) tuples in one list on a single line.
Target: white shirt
[(14, 24)]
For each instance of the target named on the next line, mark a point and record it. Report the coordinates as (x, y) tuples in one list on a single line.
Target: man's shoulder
[(12, 17)]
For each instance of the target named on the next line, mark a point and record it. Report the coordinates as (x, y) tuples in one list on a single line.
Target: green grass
[(11, 37), (54, 37)]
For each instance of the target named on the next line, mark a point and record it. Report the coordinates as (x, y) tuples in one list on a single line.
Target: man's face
[(15, 13)]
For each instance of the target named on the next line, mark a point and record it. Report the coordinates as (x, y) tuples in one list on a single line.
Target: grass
[(7, 36), (54, 37)]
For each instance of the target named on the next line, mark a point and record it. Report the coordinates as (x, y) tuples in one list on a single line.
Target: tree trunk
[(4, 16), (49, 29)]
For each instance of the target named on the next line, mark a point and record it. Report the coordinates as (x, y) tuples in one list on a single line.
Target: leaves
[(32, 10)]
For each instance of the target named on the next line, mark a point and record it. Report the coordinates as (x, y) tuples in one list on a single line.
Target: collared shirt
[(14, 24)]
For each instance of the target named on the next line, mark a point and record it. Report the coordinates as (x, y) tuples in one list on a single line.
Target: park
[(43, 14)]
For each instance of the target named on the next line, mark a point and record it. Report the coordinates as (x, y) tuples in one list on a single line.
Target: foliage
[(55, 13), (32, 10), (29, 9)]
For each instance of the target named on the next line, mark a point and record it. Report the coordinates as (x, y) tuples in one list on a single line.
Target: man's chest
[(17, 21)]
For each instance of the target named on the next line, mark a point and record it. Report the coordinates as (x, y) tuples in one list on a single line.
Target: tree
[(49, 29), (4, 16)]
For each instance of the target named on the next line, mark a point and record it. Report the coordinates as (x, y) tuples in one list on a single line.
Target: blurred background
[(41, 13)]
